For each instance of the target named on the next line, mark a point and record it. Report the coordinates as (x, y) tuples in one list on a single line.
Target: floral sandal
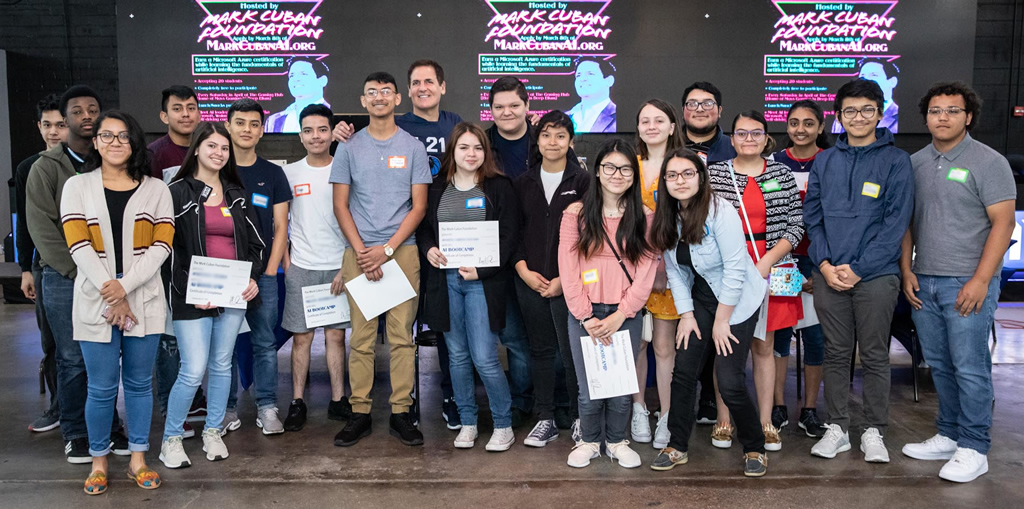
[(145, 478), (96, 484)]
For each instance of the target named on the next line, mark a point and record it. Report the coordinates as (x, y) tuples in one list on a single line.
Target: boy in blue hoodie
[(860, 197)]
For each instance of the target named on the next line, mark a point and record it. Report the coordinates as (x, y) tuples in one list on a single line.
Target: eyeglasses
[(951, 111), (609, 169), (753, 135), (384, 92), (672, 176), (706, 104), (107, 137), (868, 112)]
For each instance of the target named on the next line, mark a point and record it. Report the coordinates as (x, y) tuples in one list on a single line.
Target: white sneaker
[(467, 437), (628, 458), (640, 428), (172, 454), (966, 466), (501, 440), (213, 446), (873, 447), (583, 453), (661, 433), (231, 422), (577, 432), (269, 421), (834, 442), (938, 447)]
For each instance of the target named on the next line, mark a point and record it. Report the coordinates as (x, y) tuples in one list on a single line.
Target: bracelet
[(585, 320)]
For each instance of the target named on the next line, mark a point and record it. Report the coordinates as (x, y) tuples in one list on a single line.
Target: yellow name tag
[(226, 212), (871, 189), (590, 276)]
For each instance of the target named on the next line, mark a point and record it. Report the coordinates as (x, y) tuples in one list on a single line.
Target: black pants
[(732, 381), (547, 326)]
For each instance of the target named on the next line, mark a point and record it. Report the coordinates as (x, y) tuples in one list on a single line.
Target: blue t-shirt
[(512, 154), (266, 185), (433, 135)]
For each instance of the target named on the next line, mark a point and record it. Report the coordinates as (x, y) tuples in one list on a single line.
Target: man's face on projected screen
[(591, 83), (875, 71), (304, 84), (380, 99)]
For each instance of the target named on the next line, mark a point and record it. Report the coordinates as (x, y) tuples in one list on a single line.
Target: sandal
[(145, 478), (96, 484)]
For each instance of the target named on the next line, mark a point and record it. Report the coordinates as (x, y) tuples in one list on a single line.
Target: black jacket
[(502, 206), (541, 221), (190, 239)]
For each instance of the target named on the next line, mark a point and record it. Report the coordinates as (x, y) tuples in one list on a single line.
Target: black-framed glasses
[(384, 92), (706, 104), (609, 169), (951, 111), (108, 137), (672, 176), (868, 112), (753, 135)]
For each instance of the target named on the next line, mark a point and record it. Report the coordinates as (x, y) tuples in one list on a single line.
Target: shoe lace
[(760, 457), (212, 435), (812, 419), (936, 440), (174, 444), (542, 428), (834, 434), (404, 423), (593, 446), (962, 456), (871, 438)]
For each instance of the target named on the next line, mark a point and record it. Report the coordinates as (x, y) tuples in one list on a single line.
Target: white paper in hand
[(376, 297), (218, 282), (469, 243), (611, 370), (322, 308)]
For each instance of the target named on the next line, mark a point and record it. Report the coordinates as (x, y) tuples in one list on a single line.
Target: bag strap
[(743, 209), (621, 263)]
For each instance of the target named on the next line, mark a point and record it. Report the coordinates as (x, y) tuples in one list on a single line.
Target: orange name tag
[(396, 161), (303, 189)]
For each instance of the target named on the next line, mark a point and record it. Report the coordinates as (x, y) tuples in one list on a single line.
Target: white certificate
[(611, 370), (218, 282), (322, 308), (469, 243), (376, 297)]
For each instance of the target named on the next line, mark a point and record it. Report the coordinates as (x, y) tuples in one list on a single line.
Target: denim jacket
[(722, 260)]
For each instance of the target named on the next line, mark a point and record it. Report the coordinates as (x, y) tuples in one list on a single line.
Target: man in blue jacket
[(860, 197)]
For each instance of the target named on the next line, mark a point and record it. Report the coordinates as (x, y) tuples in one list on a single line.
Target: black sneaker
[(49, 420), (563, 418), (337, 410), (780, 416), (707, 412), (119, 444), (403, 428), (77, 451), (358, 426), (518, 416), (450, 414), (296, 416), (811, 424)]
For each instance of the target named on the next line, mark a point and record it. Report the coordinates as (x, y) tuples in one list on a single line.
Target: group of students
[(687, 229)]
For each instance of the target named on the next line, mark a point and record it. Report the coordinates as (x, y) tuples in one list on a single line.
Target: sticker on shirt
[(475, 203), (871, 189), (655, 196), (302, 189), (590, 276), (703, 157), (260, 200), (226, 212), (396, 162), (770, 186), (958, 175)]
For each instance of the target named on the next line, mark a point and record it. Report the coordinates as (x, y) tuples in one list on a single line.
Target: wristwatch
[(388, 251)]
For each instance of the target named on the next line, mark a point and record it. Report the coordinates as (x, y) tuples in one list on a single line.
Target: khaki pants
[(399, 337)]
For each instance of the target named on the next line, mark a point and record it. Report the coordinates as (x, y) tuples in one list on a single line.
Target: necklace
[(379, 153)]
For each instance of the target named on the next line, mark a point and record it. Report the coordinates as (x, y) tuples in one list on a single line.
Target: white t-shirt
[(550, 181), (317, 242)]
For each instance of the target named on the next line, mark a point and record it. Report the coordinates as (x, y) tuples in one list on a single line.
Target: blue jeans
[(203, 343), (471, 343), (956, 348), (513, 336), (262, 321), (129, 358)]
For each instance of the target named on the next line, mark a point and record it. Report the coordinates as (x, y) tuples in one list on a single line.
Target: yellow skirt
[(661, 305)]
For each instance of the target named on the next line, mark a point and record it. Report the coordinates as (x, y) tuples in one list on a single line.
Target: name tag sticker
[(396, 161), (590, 276), (771, 185), (958, 175), (475, 203), (226, 212), (260, 200), (871, 189), (655, 196), (302, 189)]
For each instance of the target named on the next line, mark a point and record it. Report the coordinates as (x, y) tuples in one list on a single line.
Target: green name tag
[(771, 185), (958, 175)]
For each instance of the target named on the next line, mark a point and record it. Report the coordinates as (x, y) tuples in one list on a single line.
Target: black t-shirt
[(266, 185), (513, 154), (116, 203), (701, 291), (77, 160)]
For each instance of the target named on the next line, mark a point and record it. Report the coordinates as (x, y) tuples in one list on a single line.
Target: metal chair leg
[(799, 365), (42, 374), (914, 362)]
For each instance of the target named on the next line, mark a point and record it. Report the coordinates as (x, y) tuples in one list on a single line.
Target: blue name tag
[(475, 203), (655, 196), (260, 200)]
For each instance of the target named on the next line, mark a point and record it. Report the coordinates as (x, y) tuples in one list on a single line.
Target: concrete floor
[(304, 469)]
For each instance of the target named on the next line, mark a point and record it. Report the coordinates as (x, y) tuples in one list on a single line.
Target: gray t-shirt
[(951, 193), (381, 175), (457, 205)]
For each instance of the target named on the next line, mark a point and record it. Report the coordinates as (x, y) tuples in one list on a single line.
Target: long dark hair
[(823, 140), (631, 237), (228, 174), (488, 169), (756, 116), (138, 162), (675, 138), (666, 230), (553, 118)]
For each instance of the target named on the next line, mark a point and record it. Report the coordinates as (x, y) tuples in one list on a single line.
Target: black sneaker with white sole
[(707, 412), (77, 451), (119, 444), (544, 432), (780, 416), (46, 422), (811, 424), (450, 414)]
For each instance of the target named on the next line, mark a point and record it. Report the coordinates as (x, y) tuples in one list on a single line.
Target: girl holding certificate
[(468, 303), (607, 269), (119, 227), (213, 219), (718, 292)]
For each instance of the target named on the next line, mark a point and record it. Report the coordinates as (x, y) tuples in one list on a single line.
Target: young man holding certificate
[(380, 182)]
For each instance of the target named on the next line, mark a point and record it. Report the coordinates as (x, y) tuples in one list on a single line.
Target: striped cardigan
[(148, 233), (785, 210)]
